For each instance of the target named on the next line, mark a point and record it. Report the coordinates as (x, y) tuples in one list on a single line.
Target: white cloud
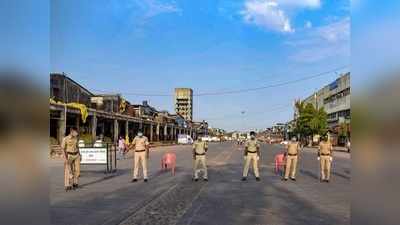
[(153, 7), (274, 14), (308, 24), (336, 31), (319, 43), (266, 14), (317, 53), (300, 3)]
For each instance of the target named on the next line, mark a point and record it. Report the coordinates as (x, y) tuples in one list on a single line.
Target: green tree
[(310, 121), (343, 130), (318, 122)]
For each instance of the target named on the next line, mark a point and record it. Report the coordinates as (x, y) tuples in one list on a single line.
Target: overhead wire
[(238, 91)]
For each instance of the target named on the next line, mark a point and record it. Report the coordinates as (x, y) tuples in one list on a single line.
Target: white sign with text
[(93, 155)]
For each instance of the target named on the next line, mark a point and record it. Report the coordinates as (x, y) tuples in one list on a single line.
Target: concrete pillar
[(126, 128), (165, 132), (151, 132), (141, 126), (158, 132), (94, 127), (172, 133), (116, 131), (61, 126)]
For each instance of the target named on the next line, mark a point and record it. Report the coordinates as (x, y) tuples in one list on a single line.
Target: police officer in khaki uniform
[(69, 145), (141, 148), (251, 154), (291, 159), (325, 154), (200, 148)]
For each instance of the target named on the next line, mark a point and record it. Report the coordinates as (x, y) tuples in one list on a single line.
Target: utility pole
[(243, 112), (316, 101)]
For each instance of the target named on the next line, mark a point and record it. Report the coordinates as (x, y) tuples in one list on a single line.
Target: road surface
[(225, 199)]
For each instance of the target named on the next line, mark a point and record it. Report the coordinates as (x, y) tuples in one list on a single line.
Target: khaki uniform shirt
[(140, 143), (325, 148), (70, 144), (200, 147), (252, 146), (293, 148)]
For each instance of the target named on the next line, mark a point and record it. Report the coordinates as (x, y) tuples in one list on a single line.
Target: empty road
[(225, 199)]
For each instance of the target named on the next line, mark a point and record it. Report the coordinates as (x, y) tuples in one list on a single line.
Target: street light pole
[(243, 112), (316, 101)]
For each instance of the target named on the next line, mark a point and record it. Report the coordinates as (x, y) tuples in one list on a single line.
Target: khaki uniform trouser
[(140, 157), (291, 166), (200, 159), (251, 157), (325, 167), (71, 170)]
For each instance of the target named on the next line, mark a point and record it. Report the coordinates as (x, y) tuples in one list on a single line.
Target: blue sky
[(153, 46)]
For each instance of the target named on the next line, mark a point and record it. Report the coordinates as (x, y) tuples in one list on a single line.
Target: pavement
[(111, 198)]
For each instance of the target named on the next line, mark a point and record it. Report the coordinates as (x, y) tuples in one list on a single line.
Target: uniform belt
[(251, 152), (140, 150), (72, 153), (292, 154), (199, 153), (325, 154)]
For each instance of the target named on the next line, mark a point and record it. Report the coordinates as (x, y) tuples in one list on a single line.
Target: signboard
[(333, 85), (93, 155)]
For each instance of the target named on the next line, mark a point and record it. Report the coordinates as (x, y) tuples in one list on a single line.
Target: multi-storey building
[(335, 99), (64, 89), (107, 116), (184, 103)]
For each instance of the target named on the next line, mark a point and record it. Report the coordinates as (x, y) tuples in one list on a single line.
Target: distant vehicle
[(348, 146), (98, 144), (185, 139), (81, 144), (275, 141), (206, 138), (215, 139), (284, 142)]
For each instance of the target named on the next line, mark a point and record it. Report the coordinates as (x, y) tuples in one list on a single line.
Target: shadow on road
[(227, 200)]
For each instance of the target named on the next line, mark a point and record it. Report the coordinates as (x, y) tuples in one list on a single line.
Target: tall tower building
[(184, 103)]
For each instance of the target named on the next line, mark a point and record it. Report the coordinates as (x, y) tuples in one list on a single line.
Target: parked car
[(284, 142), (81, 144), (98, 144), (184, 139), (206, 138), (215, 139)]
